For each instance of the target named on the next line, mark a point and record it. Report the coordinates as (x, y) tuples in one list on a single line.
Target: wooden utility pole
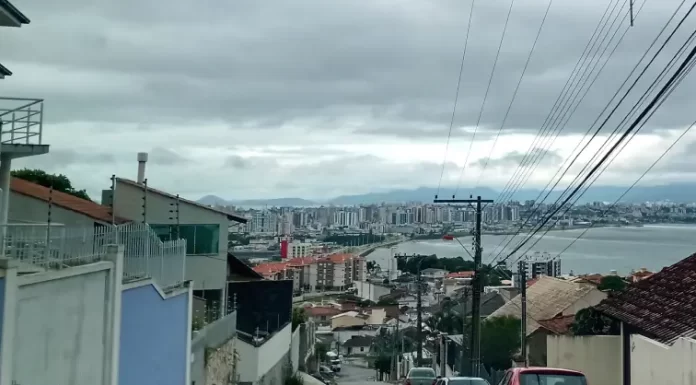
[(477, 282), (522, 274)]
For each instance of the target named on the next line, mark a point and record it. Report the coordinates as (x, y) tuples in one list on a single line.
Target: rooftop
[(460, 274), (547, 298), (13, 14), (70, 202), (663, 306), (357, 341), (4, 71), (232, 217), (558, 325)]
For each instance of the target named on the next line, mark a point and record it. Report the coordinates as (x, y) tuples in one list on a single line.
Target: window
[(552, 379), (200, 239)]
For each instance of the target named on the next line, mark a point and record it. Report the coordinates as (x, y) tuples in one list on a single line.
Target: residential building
[(653, 341), (357, 345), (432, 274), (171, 217), (321, 315), (547, 298), (299, 249), (372, 291), (339, 271)]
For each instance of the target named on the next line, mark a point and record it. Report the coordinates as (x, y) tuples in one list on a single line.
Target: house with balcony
[(204, 228), (63, 241)]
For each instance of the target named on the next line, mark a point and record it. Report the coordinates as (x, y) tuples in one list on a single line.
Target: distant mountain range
[(685, 192)]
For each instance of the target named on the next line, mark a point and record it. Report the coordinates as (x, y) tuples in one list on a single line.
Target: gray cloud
[(538, 157), (268, 63), (163, 156)]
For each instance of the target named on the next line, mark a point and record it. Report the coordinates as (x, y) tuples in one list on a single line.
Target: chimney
[(142, 159)]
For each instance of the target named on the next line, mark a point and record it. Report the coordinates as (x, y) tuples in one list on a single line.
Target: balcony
[(21, 127), (11, 16)]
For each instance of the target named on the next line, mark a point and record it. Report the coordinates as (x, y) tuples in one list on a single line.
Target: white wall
[(254, 362), (599, 357), (654, 363), (370, 291), (295, 350)]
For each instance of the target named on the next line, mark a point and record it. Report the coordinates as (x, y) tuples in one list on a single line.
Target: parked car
[(543, 376), (461, 381), (420, 376)]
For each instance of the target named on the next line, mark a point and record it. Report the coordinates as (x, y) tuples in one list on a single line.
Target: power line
[(567, 167), (517, 88), (686, 63), (672, 88), (517, 185), (571, 79), (456, 97), (485, 97), (686, 131)]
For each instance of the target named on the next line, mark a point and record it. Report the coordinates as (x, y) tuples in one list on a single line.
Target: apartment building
[(335, 272)]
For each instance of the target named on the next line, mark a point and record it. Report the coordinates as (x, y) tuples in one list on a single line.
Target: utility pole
[(522, 273), (462, 362), (477, 282), (419, 307)]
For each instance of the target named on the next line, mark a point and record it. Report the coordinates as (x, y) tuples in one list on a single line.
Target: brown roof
[(558, 325), (231, 217), (663, 306), (318, 311), (70, 202)]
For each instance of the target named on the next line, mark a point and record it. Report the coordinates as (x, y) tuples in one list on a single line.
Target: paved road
[(355, 375)]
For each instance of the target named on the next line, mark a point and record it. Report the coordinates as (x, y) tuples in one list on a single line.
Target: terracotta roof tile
[(663, 306), (319, 311), (70, 202)]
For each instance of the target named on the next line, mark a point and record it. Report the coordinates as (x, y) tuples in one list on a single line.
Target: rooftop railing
[(57, 246), (21, 120)]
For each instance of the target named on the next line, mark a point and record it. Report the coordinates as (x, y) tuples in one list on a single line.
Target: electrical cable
[(686, 63), (485, 97), (514, 94), (672, 88), (456, 98), (567, 168), (571, 78)]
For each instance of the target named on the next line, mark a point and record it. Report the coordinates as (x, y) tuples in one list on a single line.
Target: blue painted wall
[(153, 338)]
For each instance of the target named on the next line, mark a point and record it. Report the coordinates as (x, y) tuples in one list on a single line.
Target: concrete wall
[(220, 364), (370, 291), (206, 272), (63, 328), (295, 350), (599, 357), (154, 335), (655, 363), (257, 361), (28, 209), (213, 336)]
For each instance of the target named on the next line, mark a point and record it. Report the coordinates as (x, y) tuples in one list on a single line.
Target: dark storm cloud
[(271, 62)]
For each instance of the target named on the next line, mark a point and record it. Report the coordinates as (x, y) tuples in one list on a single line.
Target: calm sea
[(598, 251)]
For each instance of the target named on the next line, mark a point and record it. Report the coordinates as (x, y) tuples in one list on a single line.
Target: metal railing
[(58, 246), (146, 256), (21, 120)]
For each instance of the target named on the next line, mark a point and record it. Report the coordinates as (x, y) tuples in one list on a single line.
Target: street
[(356, 375)]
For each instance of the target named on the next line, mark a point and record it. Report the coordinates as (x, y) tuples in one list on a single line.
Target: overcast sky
[(315, 98)]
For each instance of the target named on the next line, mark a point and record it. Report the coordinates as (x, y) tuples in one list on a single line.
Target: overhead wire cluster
[(641, 111)]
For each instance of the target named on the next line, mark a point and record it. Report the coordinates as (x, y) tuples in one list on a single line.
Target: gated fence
[(58, 246)]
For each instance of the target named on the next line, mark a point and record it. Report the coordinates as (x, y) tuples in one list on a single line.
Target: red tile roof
[(319, 311), (558, 325), (301, 261), (339, 258), (663, 306), (66, 201), (270, 268)]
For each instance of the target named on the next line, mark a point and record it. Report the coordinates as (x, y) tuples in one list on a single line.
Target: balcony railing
[(58, 246), (21, 120)]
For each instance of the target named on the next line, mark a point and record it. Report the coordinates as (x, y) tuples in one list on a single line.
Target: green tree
[(590, 322), (58, 182), (387, 302), (612, 283), (298, 317), (500, 340)]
